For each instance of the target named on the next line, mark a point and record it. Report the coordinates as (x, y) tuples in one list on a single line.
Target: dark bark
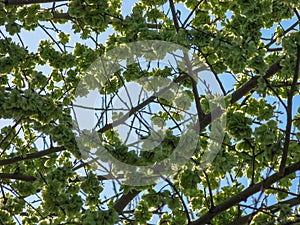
[(242, 196), (17, 176), (26, 2), (35, 155)]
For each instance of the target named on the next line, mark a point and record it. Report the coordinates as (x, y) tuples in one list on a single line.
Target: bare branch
[(242, 196), (185, 23), (10, 132), (289, 114), (17, 176), (133, 110), (273, 208), (173, 10), (124, 200), (252, 83), (284, 33), (26, 2), (35, 155), (217, 112)]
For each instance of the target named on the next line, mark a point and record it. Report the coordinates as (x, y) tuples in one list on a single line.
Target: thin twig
[(289, 114)]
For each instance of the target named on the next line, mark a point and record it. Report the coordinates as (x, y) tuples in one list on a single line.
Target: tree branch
[(242, 196), (133, 110), (284, 33), (26, 2), (239, 93), (208, 118), (66, 16), (185, 23), (120, 205), (273, 208), (17, 176), (252, 83), (10, 132), (173, 10), (211, 197), (289, 114), (35, 155)]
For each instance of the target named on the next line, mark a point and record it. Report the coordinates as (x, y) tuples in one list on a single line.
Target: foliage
[(248, 45)]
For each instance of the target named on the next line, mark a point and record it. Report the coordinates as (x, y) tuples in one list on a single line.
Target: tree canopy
[(48, 51)]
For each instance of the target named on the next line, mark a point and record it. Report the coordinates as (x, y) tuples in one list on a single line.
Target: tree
[(254, 56)]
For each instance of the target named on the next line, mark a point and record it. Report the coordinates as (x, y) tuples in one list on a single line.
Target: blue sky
[(31, 39)]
